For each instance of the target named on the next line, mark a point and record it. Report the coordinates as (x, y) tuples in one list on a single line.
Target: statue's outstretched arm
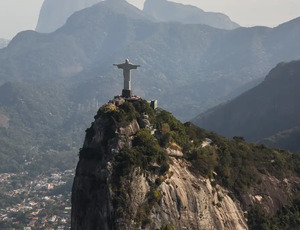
[(134, 66), (120, 66)]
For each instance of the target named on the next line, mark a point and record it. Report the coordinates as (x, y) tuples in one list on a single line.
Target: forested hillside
[(268, 113)]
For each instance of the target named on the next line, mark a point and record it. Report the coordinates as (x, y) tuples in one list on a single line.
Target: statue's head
[(127, 61)]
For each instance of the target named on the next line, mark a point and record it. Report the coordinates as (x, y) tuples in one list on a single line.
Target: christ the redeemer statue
[(127, 66)]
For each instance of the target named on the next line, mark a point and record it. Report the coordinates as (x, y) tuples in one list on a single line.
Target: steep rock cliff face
[(190, 202), (179, 198), (143, 169), (187, 202), (92, 206)]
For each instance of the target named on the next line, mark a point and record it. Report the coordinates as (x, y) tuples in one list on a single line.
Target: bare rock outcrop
[(140, 168), (92, 206), (187, 201), (190, 202), (150, 199)]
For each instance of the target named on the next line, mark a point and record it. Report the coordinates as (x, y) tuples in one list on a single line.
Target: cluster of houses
[(37, 197)]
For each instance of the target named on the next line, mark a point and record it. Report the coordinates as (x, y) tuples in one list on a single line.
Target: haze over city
[(16, 15)]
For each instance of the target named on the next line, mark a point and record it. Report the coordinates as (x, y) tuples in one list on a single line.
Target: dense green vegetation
[(228, 158), (127, 112), (286, 218), (233, 163), (238, 163), (147, 153), (113, 117), (238, 166), (6, 201), (171, 130), (41, 132), (144, 154)]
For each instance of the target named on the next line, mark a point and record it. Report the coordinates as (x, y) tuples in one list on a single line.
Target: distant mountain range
[(166, 11), (186, 67), (53, 83), (268, 113), (54, 13)]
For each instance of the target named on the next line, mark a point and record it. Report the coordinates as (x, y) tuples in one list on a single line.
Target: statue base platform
[(126, 93)]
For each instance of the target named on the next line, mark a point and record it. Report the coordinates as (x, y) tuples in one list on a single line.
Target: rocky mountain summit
[(54, 13), (167, 11), (140, 168)]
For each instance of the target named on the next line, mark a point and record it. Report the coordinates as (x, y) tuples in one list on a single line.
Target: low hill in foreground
[(269, 112), (141, 168)]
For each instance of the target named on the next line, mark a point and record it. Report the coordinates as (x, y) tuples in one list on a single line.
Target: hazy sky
[(18, 15)]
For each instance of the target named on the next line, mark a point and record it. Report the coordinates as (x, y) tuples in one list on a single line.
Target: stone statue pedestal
[(126, 93)]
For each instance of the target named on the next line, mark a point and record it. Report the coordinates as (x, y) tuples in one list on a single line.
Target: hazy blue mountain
[(54, 13), (39, 127), (187, 67), (3, 43), (166, 11), (69, 50), (270, 112), (287, 139)]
